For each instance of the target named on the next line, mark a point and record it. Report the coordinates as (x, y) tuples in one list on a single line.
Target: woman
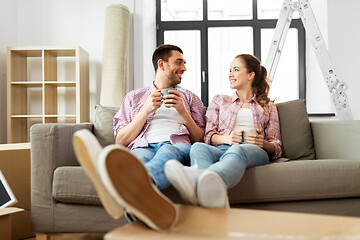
[(220, 162)]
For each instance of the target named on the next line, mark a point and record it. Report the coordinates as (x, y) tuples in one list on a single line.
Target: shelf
[(27, 84), (28, 52), (27, 116), (62, 52), (62, 116), (35, 51), (60, 84), (49, 83), (39, 116), (45, 85)]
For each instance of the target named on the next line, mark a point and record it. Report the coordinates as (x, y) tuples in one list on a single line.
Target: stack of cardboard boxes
[(15, 166)]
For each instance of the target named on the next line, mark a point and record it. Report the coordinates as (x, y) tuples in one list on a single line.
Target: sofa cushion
[(295, 128), (103, 124), (298, 180), (72, 185)]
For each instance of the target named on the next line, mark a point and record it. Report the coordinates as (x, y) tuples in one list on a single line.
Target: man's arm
[(128, 133), (196, 133)]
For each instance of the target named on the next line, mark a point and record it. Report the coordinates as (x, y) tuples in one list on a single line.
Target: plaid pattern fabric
[(221, 116), (134, 100)]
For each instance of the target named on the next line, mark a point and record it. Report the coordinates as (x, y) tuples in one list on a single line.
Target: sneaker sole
[(174, 172), (212, 191), (130, 184), (87, 148)]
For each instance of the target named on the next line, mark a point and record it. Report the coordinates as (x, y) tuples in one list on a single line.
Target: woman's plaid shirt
[(221, 116)]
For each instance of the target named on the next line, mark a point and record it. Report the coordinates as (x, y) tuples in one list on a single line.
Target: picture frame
[(7, 197)]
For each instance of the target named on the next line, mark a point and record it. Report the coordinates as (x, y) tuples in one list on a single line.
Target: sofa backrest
[(338, 139), (294, 126)]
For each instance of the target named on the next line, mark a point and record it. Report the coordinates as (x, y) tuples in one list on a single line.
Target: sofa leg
[(42, 236)]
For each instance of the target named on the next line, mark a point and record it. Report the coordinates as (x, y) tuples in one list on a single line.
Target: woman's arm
[(212, 120), (260, 141), (271, 141), (235, 137)]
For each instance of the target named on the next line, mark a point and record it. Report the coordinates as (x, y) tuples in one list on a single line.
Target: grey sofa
[(322, 176)]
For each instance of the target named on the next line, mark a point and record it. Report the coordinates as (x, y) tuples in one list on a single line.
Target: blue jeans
[(228, 161), (157, 154)]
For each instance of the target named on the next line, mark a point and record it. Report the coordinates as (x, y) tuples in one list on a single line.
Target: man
[(156, 129)]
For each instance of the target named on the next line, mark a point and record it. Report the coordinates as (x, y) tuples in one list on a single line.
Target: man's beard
[(174, 80)]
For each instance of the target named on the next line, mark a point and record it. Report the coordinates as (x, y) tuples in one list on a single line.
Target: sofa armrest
[(51, 147), (339, 139)]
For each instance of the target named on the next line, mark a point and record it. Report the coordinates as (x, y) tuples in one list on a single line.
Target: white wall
[(68, 22), (344, 39), (53, 22), (8, 36)]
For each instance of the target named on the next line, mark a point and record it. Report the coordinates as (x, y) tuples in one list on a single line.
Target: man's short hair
[(163, 52)]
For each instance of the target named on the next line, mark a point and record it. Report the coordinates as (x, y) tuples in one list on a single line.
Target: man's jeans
[(157, 154), (228, 161)]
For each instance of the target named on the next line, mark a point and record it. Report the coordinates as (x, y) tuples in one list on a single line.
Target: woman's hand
[(257, 139), (235, 137)]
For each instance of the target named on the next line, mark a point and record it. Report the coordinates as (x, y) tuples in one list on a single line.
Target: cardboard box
[(15, 166), (6, 215)]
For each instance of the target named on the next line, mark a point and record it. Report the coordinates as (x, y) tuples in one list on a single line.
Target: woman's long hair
[(260, 85)]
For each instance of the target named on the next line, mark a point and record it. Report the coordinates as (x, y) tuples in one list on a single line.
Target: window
[(213, 32), (225, 44)]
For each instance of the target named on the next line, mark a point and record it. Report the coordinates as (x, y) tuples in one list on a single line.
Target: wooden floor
[(74, 236)]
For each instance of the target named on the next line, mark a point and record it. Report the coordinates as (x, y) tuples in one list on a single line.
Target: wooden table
[(202, 223)]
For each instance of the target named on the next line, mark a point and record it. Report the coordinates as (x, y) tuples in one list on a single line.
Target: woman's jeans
[(157, 154), (228, 161)]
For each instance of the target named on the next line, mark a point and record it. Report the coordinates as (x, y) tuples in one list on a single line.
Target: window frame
[(255, 23)]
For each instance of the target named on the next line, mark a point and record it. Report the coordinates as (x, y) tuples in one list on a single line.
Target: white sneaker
[(212, 191), (184, 179), (128, 181), (87, 149)]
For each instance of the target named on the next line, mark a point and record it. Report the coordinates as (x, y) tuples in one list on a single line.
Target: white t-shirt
[(244, 119), (165, 122)]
